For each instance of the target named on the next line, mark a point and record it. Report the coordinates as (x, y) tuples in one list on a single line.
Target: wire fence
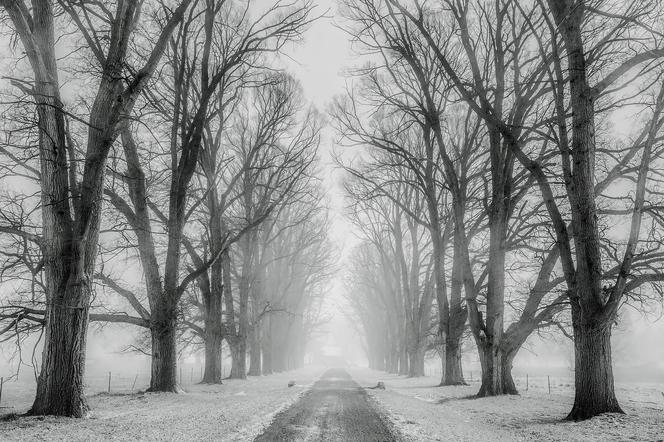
[(18, 392), (523, 382)]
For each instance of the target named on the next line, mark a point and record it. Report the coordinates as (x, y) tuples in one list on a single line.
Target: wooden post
[(134, 384), (2, 382), (181, 381), (191, 378), (109, 381), (548, 380), (526, 381)]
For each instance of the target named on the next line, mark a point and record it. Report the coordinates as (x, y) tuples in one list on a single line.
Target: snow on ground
[(235, 411), (424, 412)]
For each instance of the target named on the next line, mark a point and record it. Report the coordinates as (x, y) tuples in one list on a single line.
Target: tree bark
[(493, 382), (269, 363), (456, 320), (213, 340), (60, 388), (403, 361), (453, 373), (593, 372), (494, 369), (238, 359), (255, 368), (591, 317), (416, 362), (164, 353)]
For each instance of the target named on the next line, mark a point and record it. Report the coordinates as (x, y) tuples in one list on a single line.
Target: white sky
[(319, 63)]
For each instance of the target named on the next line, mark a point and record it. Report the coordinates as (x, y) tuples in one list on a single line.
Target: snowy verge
[(424, 412), (238, 410)]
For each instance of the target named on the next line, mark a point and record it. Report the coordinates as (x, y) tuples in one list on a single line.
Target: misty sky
[(320, 62)]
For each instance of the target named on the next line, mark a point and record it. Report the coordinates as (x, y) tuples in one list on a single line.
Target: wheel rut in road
[(335, 409)]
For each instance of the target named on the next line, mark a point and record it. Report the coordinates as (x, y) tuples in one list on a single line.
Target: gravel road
[(335, 409)]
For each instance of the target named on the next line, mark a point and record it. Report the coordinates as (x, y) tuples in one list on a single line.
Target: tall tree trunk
[(213, 341), (267, 344), (496, 372), (69, 247), (164, 360), (508, 381), (238, 358), (391, 360), (453, 373), (591, 318), (255, 368), (403, 361), (593, 372), (416, 361), (489, 343), (456, 319), (60, 389), (164, 352)]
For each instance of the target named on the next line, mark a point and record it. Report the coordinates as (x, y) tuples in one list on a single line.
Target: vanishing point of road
[(335, 409)]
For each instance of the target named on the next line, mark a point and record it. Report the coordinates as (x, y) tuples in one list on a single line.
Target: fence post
[(2, 382), (526, 381), (548, 381), (109, 381), (181, 380), (134, 384), (191, 378)]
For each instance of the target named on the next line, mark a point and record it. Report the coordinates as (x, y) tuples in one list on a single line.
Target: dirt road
[(335, 409)]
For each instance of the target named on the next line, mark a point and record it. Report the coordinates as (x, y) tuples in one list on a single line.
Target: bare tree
[(567, 57), (278, 143), (185, 104), (70, 203)]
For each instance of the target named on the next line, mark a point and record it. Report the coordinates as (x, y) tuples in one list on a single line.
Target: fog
[(420, 202)]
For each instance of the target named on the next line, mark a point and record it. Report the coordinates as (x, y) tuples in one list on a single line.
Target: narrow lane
[(335, 409)]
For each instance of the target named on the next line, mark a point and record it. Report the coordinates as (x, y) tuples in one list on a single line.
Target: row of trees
[(159, 172), (501, 182)]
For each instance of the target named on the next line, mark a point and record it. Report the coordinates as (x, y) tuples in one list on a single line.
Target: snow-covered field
[(240, 410), (235, 411), (424, 412)]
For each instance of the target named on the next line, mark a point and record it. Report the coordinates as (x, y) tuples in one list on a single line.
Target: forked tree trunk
[(489, 345), (453, 373), (60, 384), (593, 373), (494, 368), (164, 355)]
